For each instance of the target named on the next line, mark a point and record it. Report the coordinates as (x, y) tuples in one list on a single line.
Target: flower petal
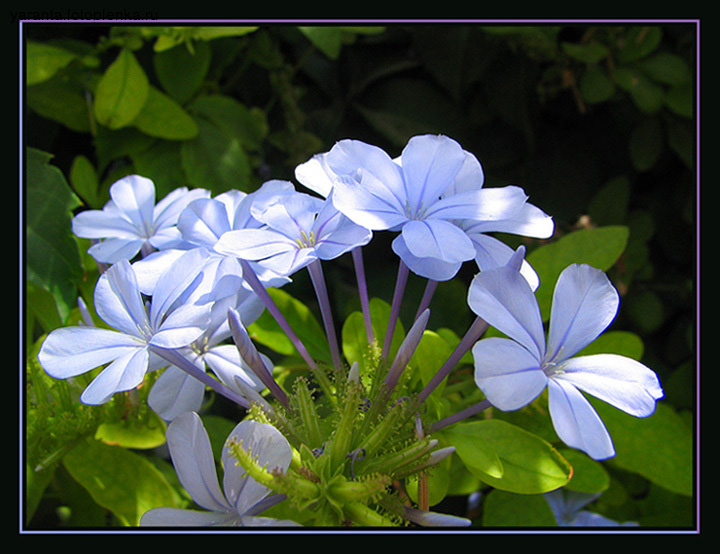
[(118, 302), (491, 252), (504, 299), (584, 304), (507, 373), (174, 393), (124, 373), (204, 221), (178, 517), (193, 460), (269, 448), (620, 381), (110, 251), (576, 422), (254, 244), (370, 203), (434, 238), (430, 163), (487, 204), (167, 210), (430, 268), (134, 196), (528, 221), (316, 175), (70, 351)]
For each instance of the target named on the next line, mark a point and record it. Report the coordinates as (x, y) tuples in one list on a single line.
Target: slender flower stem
[(251, 277), (252, 358), (318, 281), (427, 297), (478, 327), (363, 292), (459, 416), (406, 351), (180, 361), (400, 283)]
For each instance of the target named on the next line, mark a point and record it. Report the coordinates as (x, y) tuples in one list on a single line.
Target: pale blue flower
[(169, 322), (567, 507), (175, 391), (513, 371), (131, 221), (241, 498), (297, 230), (415, 195)]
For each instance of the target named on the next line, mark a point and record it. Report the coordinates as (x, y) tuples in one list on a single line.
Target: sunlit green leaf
[(121, 92)]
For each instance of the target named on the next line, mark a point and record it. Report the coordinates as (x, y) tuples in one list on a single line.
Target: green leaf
[(638, 42), (588, 52), (248, 125), (330, 39), (354, 338), (659, 447), (588, 476), (431, 353), (163, 117), (596, 86), (666, 68), (84, 180), (265, 330), (125, 483), (647, 95), (646, 143), (44, 61), (600, 247), (679, 100), (121, 92), (61, 102), (505, 509), (507, 457), (134, 433), (52, 257), (215, 160), (182, 72)]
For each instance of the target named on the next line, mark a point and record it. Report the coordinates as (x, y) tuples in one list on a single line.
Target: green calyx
[(350, 452)]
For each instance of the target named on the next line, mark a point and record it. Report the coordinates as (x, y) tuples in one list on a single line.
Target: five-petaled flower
[(297, 230), (169, 322), (131, 222), (241, 498), (414, 194), (514, 371)]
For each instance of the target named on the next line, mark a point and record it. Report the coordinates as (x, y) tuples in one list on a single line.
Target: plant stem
[(427, 297), (459, 416), (318, 280), (478, 327), (180, 361), (363, 292), (251, 277), (400, 283)]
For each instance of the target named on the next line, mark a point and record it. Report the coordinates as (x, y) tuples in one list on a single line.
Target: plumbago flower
[(242, 498), (297, 230), (414, 195), (567, 507), (169, 323), (131, 221), (514, 371), (176, 391)]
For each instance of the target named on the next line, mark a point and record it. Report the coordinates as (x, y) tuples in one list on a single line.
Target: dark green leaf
[(52, 257), (507, 457), (121, 92), (162, 117), (600, 247), (125, 483)]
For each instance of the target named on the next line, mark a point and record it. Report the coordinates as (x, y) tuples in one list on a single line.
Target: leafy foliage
[(595, 121)]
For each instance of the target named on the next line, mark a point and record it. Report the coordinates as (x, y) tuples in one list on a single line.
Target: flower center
[(306, 240)]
